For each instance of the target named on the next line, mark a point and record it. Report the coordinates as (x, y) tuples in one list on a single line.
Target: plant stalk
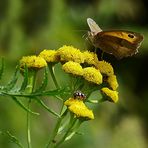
[(29, 89)]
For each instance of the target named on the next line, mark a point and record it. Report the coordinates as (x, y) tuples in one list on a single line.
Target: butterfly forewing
[(94, 28)]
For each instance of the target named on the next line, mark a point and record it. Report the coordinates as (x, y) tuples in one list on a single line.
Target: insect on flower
[(79, 95)]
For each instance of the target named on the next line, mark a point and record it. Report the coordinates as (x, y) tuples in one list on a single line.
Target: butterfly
[(119, 43)]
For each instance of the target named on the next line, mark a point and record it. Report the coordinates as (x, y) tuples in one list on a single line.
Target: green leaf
[(12, 138), (92, 101), (23, 106), (25, 82), (46, 107), (13, 81), (49, 93), (44, 82), (2, 67), (44, 93)]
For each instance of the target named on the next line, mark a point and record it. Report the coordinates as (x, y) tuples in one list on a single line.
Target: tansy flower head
[(105, 68), (73, 68), (79, 109), (110, 94), (49, 55), (93, 75), (90, 57), (32, 62), (70, 101), (69, 53), (112, 81)]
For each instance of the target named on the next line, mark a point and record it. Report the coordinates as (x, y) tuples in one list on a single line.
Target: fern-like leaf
[(46, 107), (23, 106), (13, 81), (49, 92), (12, 138)]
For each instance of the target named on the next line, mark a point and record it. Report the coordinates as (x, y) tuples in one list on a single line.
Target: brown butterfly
[(120, 43)]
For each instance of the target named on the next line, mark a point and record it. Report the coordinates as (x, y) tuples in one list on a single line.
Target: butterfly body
[(120, 43)]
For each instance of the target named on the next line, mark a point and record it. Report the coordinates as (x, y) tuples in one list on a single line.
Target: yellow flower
[(69, 53), (110, 94), (70, 101), (49, 55), (112, 81), (73, 68), (79, 109), (32, 62), (93, 75), (105, 68), (90, 57)]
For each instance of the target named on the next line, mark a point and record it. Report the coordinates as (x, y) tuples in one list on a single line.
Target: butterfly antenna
[(82, 30)]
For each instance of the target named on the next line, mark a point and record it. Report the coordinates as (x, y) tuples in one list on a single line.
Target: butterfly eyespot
[(131, 35)]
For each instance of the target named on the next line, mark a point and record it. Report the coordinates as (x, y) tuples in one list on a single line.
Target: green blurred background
[(28, 26)]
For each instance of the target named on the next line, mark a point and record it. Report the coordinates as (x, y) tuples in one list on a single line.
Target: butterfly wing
[(120, 43), (94, 28)]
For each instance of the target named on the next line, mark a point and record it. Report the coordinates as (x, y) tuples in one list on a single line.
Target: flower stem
[(29, 89), (67, 132), (51, 142), (55, 131), (28, 127)]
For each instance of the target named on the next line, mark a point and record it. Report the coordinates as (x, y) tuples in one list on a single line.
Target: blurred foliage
[(27, 26)]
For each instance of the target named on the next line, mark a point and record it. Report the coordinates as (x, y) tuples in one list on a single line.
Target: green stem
[(31, 81), (74, 129), (72, 122), (56, 128), (51, 68), (28, 127), (29, 89), (51, 142), (54, 133)]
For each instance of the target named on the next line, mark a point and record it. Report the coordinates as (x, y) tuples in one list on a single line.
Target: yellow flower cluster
[(105, 68), (79, 109), (73, 60), (89, 73), (33, 62), (111, 95), (90, 58), (69, 53), (73, 67), (112, 81), (93, 75), (49, 55)]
